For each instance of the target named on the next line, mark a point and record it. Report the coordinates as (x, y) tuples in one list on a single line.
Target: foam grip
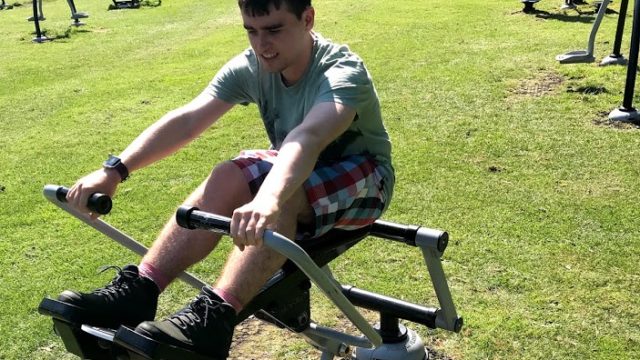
[(98, 202)]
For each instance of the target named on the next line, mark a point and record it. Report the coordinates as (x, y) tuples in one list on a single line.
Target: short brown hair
[(261, 7)]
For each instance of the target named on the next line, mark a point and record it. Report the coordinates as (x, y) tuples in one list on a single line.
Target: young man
[(329, 167)]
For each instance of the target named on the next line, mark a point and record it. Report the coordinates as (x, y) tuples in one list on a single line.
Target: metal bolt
[(344, 350)]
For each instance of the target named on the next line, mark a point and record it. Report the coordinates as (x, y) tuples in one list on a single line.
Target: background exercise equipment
[(616, 57), (125, 4), (40, 13), (3, 5), (598, 3), (529, 6), (309, 260), (38, 16), (627, 113), (585, 56), (75, 15)]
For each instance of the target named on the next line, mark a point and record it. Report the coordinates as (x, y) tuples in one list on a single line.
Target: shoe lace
[(118, 283), (200, 309)]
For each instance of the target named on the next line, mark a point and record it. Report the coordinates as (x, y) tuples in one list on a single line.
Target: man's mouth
[(269, 56)]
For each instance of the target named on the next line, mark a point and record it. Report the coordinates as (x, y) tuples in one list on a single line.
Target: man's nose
[(262, 41)]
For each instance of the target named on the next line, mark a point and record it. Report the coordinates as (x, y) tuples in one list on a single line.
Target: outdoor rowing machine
[(308, 262)]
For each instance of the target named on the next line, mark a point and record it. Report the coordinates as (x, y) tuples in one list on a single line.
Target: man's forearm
[(302, 147), (295, 162)]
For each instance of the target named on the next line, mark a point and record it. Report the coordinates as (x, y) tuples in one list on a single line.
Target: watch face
[(112, 161)]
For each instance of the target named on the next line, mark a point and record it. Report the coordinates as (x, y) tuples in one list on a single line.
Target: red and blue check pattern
[(347, 194)]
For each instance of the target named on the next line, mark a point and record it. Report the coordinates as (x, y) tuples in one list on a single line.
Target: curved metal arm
[(192, 218), (296, 254), (52, 192)]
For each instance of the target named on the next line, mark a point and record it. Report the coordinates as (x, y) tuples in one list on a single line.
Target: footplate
[(141, 347), (87, 342)]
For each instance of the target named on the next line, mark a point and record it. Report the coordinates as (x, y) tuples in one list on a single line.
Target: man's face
[(280, 39)]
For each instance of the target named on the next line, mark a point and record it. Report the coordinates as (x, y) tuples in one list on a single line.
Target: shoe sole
[(147, 348), (87, 342), (61, 311)]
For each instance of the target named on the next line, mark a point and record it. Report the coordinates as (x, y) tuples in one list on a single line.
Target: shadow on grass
[(148, 3), (581, 17), (52, 36), (545, 15), (588, 90), (145, 3)]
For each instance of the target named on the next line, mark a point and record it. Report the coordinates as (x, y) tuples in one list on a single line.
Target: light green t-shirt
[(335, 74)]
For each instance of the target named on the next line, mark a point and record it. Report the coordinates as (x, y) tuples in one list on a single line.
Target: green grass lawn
[(494, 141)]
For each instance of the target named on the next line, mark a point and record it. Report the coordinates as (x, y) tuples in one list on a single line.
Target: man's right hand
[(103, 181)]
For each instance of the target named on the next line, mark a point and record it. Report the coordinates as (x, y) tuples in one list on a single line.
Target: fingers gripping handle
[(98, 203), (192, 218)]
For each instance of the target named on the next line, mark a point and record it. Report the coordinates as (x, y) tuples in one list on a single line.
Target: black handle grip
[(190, 217), (397, 232), (98, 203)]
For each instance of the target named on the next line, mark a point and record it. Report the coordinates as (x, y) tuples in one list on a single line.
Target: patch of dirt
[(256, 340), (603, 120), (544, 83)]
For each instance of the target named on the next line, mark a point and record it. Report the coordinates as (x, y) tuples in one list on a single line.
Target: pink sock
[(229, 298), (149, 271)]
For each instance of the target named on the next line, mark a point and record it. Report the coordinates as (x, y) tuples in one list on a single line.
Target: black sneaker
[(128, 299), (205, 326)]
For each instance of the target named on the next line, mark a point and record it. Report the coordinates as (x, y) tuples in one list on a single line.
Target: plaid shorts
[(347, 194)]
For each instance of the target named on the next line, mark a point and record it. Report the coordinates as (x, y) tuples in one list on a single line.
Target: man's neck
[(292, 75)]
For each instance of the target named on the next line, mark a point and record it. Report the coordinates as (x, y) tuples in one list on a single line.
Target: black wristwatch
[(114, 162)]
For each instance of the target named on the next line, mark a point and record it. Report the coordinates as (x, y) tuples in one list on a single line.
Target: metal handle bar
[(408, 234), (99, 203), (192, 218), (52, 193)]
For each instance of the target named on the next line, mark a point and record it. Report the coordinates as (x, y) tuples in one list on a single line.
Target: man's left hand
[(250, 221)]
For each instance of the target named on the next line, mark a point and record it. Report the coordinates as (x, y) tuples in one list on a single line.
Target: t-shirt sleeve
[(346, 82), (235, 81)]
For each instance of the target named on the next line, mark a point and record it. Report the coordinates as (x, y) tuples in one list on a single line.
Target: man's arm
[(174, 130), (296, 159)]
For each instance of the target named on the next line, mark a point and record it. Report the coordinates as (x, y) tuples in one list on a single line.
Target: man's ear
[(309, 17)]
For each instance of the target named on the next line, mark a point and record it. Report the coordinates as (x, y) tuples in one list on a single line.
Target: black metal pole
[(76, 20), (624, 4), (632, 68), (36, 21), (72, 5)]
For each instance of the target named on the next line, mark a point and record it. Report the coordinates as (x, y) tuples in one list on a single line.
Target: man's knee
[(228, 176), (227, 168), (226, 186)]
